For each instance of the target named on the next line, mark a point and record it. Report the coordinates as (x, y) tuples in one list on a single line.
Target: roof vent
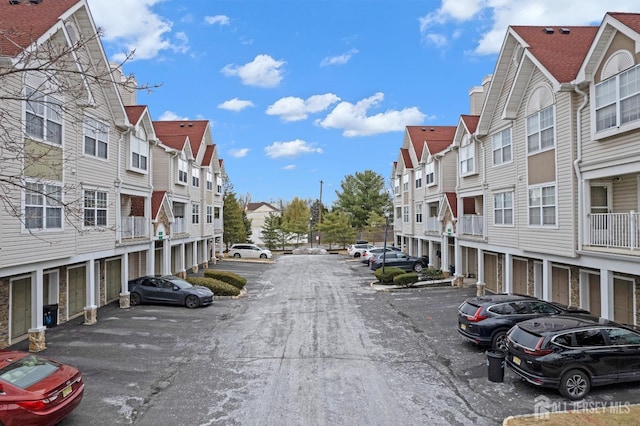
[(548, 30), (14, 1), (35, 1), (181, 124), (423, 129), (190, 124), (565, 31), (432, 129)]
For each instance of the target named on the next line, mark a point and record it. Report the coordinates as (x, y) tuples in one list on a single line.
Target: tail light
[(477, 317), (538, 351), (37, 405)]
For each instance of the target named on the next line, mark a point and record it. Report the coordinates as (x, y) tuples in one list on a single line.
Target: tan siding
[(625, 194)]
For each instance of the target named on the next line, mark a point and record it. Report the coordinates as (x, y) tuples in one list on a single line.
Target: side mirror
[(176, 288)]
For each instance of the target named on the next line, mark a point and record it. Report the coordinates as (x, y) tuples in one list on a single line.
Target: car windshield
[(27, 371), (181, 284)]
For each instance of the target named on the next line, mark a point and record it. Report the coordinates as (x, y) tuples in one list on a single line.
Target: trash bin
[(452, 270), (50, 317), (495, 365)]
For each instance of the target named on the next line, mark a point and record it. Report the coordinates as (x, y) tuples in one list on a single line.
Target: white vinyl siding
[(541, 130)]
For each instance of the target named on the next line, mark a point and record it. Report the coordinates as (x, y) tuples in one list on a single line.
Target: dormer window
[(430, 173), (195, 177), (139, 151), (467, 159), (209, 180), (617, 99)]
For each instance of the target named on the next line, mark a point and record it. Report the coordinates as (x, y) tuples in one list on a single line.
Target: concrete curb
[(243, 293), (420, 284)]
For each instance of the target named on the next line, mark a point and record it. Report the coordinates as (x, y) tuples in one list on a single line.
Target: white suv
[(356, 250), (249, 251)]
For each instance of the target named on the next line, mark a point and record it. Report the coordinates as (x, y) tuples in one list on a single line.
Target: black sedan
[(399, 260), (168, 290), (573, 353), (485, 320)]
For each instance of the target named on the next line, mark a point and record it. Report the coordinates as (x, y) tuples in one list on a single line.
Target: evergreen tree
[(270, 230), (295, 218), (361, 195), (234, 226), (335, 228)]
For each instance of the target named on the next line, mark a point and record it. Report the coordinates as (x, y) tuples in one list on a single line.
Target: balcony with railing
[(179, 226), (614, 230), (432, 224), (472, 224), (135, 227)]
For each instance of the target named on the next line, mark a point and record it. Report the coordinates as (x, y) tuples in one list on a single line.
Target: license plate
[(66, 391), (463, 326), (516, 360)]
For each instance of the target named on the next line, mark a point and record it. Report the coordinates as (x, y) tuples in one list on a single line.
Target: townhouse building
[(257, 213), (548, 169), (80, 211)]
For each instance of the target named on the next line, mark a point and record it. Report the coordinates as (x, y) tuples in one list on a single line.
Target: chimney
[(127, 85), (477, 95)]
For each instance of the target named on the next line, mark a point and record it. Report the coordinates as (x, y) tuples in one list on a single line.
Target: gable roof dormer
[(435, 139), (197, 131)]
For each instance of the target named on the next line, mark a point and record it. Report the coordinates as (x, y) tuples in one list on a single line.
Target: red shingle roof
[(437, 138), (23, 23), (560, 52), (471, 121), (631, 20), (453, 202), (156, 202), (195, 129), (406, 158), (208, 154), (134, 112)]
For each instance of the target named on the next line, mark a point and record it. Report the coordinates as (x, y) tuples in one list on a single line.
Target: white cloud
[(218, 19), (339, 60), (289, 167), (439, 27), (290, 149), (143, 30), (263, 71), (296, 109), (171, 116), (239, 152), (235, 104), (354, 121)]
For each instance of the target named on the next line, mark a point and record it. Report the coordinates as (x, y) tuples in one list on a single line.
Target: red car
[(36, 390)]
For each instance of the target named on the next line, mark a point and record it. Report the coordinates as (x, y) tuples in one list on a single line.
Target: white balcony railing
[(179, 225), (472, 224), (433, 224), (217, 224), (617, 230), (134, 227)]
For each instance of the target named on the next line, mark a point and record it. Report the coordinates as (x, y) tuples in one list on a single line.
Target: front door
[(600, 206), (20, 307), (623, 301), (114, 279)]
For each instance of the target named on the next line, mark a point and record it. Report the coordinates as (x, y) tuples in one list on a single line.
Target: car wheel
[(499, 341), (192, 301), (575, 384), (263, 256), (135, 299), (356, 255), (418, 267), (236, 255)]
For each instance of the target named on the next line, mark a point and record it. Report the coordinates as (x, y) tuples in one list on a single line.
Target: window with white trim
[(183, 172), (195, 176), (430, 173), (405, 214), (95, 208), (42, 206), (209, 180), (195, 213), (501, 145), (218, 184), (209, 214), (43, 119), (418, 178), (405, 182), (96, 136), (503, 208), (542, 205), (396, 186), (467, 159), (139, 152), (419, 213), (617, 99), (541, 130)]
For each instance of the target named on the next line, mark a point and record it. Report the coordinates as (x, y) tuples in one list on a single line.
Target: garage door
[(623, 301), (520, 276), (114, 279), (20, 307), (77, 290), (560, 285), (491, 272)]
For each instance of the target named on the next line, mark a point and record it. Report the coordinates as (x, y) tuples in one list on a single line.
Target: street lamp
[(311, 232), (384, 247)]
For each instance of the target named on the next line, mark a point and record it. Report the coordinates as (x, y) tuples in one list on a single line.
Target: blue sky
[(304, 91)]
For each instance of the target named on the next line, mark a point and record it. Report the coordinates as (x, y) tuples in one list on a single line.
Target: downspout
[(576, 163)]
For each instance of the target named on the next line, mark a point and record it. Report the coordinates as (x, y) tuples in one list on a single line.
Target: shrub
[(219, 288), (431, 274), (228, 277), (406, 280), (389, 274)]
